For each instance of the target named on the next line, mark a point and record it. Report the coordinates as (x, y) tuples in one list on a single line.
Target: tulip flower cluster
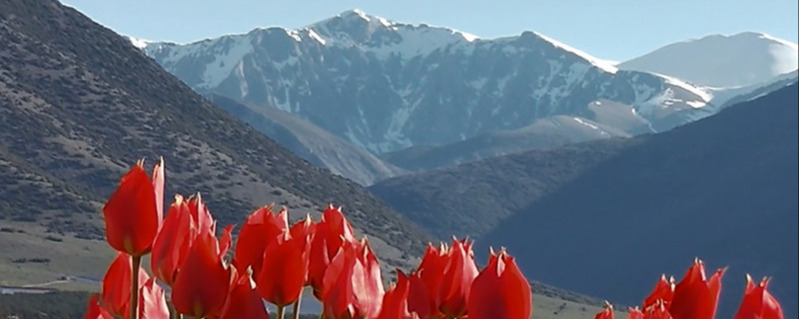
[(192, 276), (697, 297)]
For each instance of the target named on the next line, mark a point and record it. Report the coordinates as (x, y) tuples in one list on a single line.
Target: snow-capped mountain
[(719, 61), (386, 85)]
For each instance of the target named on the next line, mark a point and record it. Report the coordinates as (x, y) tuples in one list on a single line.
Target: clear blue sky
[(609, 29)]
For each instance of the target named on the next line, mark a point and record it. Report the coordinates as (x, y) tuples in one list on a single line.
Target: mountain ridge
[(385, 85)]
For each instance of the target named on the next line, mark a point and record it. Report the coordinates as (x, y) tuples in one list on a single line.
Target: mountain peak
[(357, 14), (750, 36), (722, 61)]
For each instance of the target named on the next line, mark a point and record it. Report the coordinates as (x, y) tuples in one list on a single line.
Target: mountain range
[(605, 217), (422, 97), (387, 86)]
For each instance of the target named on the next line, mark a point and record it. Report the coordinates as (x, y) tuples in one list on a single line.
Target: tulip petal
[(664, 290), (152, 301), (94, 311), (243, 301), (420, 301), (200, 214), (225, 241), (395, 300), (116, 284), (172, 243), (158, 188)]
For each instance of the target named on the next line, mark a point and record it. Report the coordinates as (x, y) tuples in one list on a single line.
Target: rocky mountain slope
[(474, 198), (547, 133), (720, 61), (311, 142), (386, 86), (607, 217), (79, 105)]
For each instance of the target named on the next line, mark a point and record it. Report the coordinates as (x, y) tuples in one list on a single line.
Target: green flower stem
[(134, 287), (280, 310), (295, 311), (173, 312)]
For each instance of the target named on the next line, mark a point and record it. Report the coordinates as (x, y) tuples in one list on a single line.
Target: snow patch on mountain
[(225, 61), (703, 93), (316, 37), (591, 125), (408, 40), (138, 43), (602, 64)]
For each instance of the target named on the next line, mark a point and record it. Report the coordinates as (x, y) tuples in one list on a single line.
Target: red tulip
[(330, 234), (395, 301), (606, 313), (152, 303), (94, 310), (457, 279), (758, 303), (424, 289), (500, 291), (284, 270), (261, 227), (635, 313), (696, 297), (202, 284), (243, 300), (132, 213), (172, 243), (664, 290), (116, 285), (352, 283)]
